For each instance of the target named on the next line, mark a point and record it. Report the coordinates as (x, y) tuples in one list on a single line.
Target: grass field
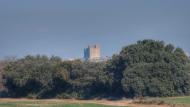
[(49, 103), (177, 101), (165, 102)]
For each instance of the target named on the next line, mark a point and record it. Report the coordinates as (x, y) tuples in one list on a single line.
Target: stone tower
[(92, 53)]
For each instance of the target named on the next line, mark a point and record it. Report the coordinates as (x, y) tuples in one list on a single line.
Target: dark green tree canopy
[(147, 68), (154, 69)]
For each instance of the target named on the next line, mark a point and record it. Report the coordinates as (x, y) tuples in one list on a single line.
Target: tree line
[(146, 68)]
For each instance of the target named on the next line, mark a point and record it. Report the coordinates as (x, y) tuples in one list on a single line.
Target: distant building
[(92, 53)]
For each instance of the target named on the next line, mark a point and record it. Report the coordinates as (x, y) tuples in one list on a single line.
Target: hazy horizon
[(65, 27)]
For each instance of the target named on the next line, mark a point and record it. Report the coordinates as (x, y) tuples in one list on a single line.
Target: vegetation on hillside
[(147, 68)]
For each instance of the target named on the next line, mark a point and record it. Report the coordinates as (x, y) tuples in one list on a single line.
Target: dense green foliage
[(147, 68), (43, 77), (155, 69)]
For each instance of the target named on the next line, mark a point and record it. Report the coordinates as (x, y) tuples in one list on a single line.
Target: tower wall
[(92, 53)]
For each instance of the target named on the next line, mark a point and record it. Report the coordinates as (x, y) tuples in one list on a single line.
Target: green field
[(178, 100), (185, 101), (51, 105), (91, 103), (48, 104)]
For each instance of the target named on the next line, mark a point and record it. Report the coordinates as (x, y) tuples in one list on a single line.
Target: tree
[(147, 68), (33, 75), (154, 69)]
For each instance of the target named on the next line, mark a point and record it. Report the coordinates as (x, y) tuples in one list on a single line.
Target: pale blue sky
[(64, 27)]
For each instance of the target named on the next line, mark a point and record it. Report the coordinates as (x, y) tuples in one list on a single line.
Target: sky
[(65, 27)]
